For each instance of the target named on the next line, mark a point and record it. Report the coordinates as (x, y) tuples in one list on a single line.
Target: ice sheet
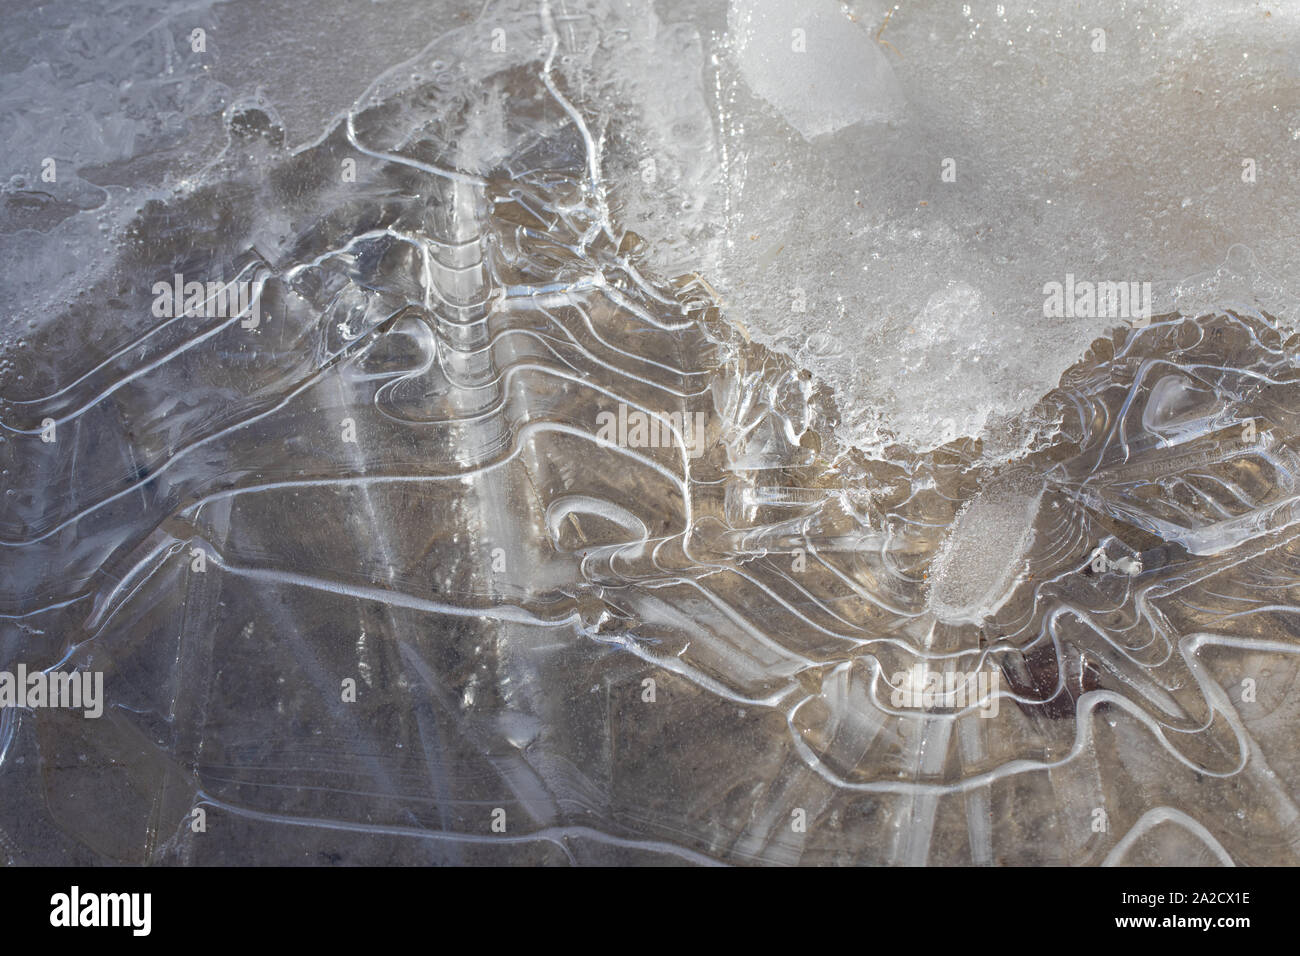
[(613, 444)]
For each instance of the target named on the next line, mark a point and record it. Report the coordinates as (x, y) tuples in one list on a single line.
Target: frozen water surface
[(612, 432), (965, 584)]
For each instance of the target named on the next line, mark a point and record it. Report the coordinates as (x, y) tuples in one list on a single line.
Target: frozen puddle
[(607, 393)]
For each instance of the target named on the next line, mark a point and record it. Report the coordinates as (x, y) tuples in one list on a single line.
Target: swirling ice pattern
[(503, 579)]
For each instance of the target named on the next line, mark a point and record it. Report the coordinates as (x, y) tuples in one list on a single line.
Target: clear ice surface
[(503, 259)]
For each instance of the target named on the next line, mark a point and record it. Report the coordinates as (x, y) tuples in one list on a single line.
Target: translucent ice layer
[(846, 81), (521, 466), (966, 585)]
